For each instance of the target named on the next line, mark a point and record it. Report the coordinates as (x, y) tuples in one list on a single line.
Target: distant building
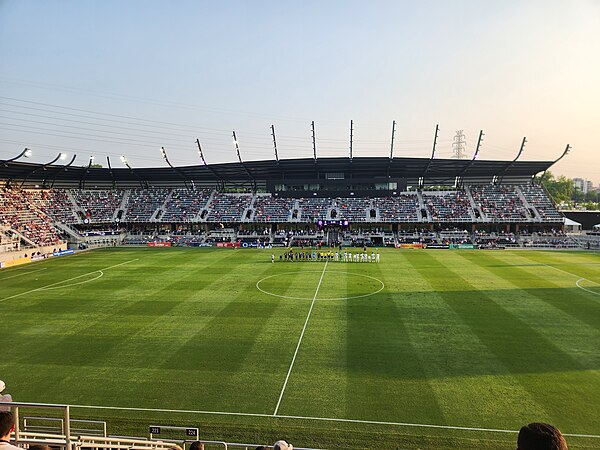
[(582, 185)]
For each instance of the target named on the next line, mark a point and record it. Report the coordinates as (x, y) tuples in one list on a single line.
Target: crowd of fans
[(53, 202), (448, 207), (538, 199), (98, 205), (185, 204), (273, 209), (228, 207), (143, 203), (404, 208), (21, 215), (499, 203)]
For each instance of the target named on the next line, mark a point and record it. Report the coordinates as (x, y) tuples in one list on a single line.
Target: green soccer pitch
[(428, 349)]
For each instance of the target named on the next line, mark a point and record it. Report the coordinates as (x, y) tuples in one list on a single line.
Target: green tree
[(561, 189)]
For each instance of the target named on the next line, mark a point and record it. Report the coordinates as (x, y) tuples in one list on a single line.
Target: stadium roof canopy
[(415, 171)]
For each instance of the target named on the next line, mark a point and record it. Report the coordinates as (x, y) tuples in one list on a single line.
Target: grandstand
[(387, 198), (156, 297)]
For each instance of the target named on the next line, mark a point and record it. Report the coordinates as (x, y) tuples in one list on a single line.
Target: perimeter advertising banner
[(417, 245), (159, 244), (228, 244), (15, 262)]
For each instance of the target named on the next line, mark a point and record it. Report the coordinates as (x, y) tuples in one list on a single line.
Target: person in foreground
[(7, 426), (282, 445), (540, 436)]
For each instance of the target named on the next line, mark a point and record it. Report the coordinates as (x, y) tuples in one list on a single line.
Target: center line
[(300, 340)]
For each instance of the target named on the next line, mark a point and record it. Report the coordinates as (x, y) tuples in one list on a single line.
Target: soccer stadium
[(306, 281), (377, 300)]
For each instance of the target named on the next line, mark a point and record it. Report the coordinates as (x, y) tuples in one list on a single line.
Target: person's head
[(40, 447), (7, 423), (540, 436), (261, 447), (196, 445), (282, 445)]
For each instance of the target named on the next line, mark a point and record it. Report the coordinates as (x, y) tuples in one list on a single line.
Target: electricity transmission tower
[(459, 145)]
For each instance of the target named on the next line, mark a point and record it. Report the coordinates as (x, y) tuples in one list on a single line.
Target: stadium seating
[(499, 203), (184, 205), (272, 209), (142, 204), (18, 213), (228, 207), (98, 206), (36, 214)]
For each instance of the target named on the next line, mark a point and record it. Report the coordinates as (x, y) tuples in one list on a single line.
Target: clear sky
[(111, 78)]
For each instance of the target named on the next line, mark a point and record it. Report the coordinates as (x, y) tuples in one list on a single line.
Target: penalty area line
[(64, 281), (320, 419), (300, 340)]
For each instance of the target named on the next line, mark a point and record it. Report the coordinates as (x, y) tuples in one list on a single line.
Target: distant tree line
[(562, 190)]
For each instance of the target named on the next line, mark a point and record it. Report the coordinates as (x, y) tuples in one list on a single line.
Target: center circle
[(289, 297)]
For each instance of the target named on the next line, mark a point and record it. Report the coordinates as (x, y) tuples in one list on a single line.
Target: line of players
[(328, 255)]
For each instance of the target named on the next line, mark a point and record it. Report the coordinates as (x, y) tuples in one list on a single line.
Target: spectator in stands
[(196, 445), (7, 426), (4, 397), (282, 445), (540, 436)]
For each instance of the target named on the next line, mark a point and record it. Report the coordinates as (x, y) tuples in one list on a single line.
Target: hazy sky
[(111, 78)]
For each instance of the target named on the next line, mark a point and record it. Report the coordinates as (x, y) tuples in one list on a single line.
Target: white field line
[(300, 340), (321, 419), (574, 275), (585, 289), (61, 286), (23, 273), (64, 281)]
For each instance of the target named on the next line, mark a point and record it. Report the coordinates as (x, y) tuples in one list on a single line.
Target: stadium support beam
[(314, 141), (63, 169), (460, 176), (274, 144), (26, 153), (239, 155), (220, 180), (499, 177), (564, 153), (435, 138), (143, 183), (42, 167), (351, 137), (85, 172), (185, 179), (112, 175), (392, 143)]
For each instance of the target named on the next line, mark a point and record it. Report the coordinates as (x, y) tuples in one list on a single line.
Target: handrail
[(65, 408)]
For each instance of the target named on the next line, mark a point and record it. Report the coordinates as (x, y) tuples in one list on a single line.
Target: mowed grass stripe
[(558, 305), (535, 361), (467, 378), (386, 378), (317, 383), (579, 264), (574, 337), (564, 274)]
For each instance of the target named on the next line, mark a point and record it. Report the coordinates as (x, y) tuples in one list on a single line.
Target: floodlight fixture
[(26, 153)]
